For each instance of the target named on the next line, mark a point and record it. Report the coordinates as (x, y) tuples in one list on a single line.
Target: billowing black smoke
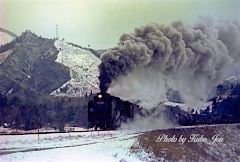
[(198, 51)]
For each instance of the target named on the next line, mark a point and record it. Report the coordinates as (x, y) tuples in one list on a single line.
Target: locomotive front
[(106, 111), (100, 111)]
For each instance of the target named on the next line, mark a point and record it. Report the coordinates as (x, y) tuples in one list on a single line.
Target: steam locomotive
[(107, 112)]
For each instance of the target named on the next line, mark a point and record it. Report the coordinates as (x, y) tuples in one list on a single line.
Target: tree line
[(55, 112)]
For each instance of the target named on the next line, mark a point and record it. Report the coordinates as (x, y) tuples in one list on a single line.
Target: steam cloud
[(187, 58)]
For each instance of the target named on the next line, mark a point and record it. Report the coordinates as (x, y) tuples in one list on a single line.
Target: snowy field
[(127, 145), (83, 146)]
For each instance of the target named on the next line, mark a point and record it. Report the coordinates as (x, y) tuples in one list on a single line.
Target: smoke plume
[(187, 58)]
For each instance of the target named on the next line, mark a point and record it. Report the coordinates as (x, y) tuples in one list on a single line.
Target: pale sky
[(100, 23)]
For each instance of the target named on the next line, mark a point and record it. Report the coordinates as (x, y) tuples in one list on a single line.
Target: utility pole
[(57, 36)]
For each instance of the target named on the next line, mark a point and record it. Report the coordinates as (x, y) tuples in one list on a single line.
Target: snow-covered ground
[(121, 145), (83, 67), (18, 131), (221, 143), (41, 130), (88, 146)]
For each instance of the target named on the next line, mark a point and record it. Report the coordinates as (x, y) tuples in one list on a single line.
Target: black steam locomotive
[(107, 112)]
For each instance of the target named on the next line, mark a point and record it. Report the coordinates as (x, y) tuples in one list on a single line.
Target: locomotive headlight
[(99, 96)]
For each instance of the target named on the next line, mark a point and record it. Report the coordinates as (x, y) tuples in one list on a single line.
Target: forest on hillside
[(55, 112)]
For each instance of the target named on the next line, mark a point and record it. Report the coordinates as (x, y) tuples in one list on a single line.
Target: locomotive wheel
[(103, 127)]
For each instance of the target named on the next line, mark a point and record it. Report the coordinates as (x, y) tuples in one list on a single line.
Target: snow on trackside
[(20, 131), (83, 67), (85, 146), (40, 130)]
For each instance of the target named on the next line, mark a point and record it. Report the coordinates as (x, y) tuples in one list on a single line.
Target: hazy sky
[(101, 22)]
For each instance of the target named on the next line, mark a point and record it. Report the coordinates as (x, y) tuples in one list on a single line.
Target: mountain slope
[(6, 36), (32, 63), (48, 66), (83, 67)]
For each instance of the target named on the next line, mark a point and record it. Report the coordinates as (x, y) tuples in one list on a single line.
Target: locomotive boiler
[(107, 112)]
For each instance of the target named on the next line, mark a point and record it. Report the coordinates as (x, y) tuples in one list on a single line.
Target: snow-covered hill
[(226, 89), (190, 108), (50, 66), (228, 85), (83, 67), (6, 36)]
